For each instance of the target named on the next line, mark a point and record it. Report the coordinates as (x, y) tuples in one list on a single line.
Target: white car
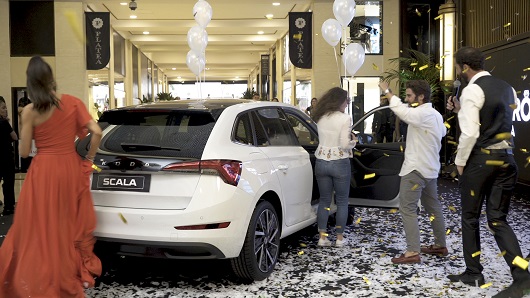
[(213, 179)]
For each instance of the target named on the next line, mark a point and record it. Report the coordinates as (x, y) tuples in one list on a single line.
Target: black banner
[(301, 39), (97, 39), (265, 65)]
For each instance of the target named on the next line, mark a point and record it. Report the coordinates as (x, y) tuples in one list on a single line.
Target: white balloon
[(344, 11), (197, 38), (353, 57), (195, 61), (202, 12), (331, 31)]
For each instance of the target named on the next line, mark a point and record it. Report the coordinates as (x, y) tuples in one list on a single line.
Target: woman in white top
[(332, 169)]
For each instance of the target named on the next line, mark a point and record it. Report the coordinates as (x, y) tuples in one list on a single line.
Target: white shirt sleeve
[(345, 135), (408, 114), (471, 101)]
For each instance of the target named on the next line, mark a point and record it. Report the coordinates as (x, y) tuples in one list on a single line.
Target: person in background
[(419, 172), (332, 168), (7, 160), (22, 102), (47, 252), (485, 119), (384, 123), (275, 99), (314, 101), (255, 97)]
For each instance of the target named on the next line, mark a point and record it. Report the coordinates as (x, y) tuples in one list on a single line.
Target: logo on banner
[(522, 112)]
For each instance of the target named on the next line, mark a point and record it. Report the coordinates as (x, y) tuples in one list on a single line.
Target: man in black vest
[(487, 169)]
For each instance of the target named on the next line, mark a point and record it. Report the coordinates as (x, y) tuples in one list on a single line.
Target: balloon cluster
[(198, 37), (344, 11)]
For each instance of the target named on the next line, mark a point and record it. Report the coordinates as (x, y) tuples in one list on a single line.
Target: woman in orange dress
[(48, 251)]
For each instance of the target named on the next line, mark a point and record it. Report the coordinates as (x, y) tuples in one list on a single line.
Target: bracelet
[(88, 158)]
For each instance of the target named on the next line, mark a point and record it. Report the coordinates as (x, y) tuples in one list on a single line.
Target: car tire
[(261, 248)]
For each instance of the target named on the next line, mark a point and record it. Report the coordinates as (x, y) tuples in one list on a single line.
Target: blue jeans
[(333, 175)]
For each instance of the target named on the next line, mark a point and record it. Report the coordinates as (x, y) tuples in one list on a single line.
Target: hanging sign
[(97, 39), (300, 39)]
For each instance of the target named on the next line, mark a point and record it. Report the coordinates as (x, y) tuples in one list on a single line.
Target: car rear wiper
[(145, 147)]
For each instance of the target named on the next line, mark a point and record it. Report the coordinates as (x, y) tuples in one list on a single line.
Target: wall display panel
[(511, 64), (32, 28), (135, 78), (366, 26), (119, 54), (145, 77)]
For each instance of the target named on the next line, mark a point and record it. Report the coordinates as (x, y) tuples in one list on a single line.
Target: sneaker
[(406, 260), (340, 243), (435, 250), (515, 290), (324, 242), (467, 278)]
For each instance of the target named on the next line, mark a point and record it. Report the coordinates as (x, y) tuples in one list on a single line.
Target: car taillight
[(228, 170)]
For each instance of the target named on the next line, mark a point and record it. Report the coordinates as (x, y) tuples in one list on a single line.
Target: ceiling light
[(133, 16), (146, 32), (179, 78), (276, 3), (237, 78), (174, 68), (123, 3), (269, 16), (260, 32)]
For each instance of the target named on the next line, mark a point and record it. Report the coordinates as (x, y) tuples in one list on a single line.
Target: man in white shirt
[(486, 166), (420, 169)]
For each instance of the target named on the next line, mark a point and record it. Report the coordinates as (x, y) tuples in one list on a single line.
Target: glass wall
[(204, 90)]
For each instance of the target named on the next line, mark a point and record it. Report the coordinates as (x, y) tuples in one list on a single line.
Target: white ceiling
[(234, 45)]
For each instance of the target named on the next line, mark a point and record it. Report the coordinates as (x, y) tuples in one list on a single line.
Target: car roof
[(206, 104)]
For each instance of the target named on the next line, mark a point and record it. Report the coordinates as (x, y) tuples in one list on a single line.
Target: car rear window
[(180, 133)]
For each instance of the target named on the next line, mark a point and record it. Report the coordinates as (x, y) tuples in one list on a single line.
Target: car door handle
[(283, 167)]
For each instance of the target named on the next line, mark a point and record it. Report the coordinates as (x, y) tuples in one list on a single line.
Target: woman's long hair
[(41, 85), (329, 102)]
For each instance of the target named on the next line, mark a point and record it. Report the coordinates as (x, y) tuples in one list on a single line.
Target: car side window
[(305, 136), (276, 127), (243, 130)]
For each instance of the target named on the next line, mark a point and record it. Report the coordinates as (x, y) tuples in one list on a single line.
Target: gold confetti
[(503, 136), (414, 187), (486, 285), (369, 176), (452, 143), (366, 280), (488, 58), (475, 254), (443, 57), (438, 66), (393, 210), (414, 104), (358, 221), (383, 255), (429, 10), (507, 25), (526, 69), (98, 169), (122, 218), (520, 262), (438, 17), (448, 231), (431, 218), (401, 148), (387, 155), (418, 12), (75, 24), (303, 245), (447, 125), (501, 254), (452, 208), (513, 106), (374, 66), (464, 70), (472, 193), (357, 153), (450, 118), (450, 137), (494, 162), (414, 64), (454, 174), (324, 234), (523, 150), (423, 67), (300, 252), (495, 224), (485, 151), (327, 208)]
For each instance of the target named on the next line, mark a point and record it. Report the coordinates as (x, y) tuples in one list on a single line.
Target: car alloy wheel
[(262, 244)]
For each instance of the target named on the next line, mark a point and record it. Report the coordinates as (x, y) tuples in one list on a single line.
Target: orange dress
[(48, 251)]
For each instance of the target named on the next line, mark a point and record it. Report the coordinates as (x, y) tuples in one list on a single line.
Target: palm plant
[(164, 96), (415, 66)]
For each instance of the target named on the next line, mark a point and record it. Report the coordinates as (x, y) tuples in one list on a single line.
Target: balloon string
[(338, 68)]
